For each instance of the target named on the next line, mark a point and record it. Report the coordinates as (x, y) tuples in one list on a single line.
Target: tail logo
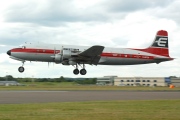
[(161, 42)]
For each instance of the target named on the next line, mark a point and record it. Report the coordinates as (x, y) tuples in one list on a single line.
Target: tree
[(10, 78), (62, 79)]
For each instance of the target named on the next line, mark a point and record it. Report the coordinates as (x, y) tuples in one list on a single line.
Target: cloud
[(170, 11), (133, 5), (57, 12), (51, 13)]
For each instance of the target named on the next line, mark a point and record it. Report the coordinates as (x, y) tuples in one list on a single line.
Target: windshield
[(22, 46)]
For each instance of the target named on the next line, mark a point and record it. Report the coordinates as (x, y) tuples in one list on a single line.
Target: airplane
[(94, 55)]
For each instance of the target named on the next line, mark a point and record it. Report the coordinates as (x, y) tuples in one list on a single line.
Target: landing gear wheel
[(83, 71), (76, 71), (21, 69)]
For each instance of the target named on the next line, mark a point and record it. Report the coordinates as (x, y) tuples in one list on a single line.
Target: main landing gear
[(21, 68), (82, 71)]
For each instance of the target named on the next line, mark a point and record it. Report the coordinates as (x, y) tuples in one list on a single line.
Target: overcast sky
[(111, 23)]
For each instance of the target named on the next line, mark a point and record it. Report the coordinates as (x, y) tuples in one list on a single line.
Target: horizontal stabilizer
[(158, 60)]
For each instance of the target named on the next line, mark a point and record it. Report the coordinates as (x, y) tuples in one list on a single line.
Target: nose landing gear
[(21, 68)]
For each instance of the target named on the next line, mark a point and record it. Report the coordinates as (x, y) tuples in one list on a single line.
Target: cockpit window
[(22, 47)]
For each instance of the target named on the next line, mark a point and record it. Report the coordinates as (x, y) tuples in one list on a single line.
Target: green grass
[(74, 86), (103, 110)]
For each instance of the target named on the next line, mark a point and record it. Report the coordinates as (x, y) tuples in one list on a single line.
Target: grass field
[(74, 86), (104, 110)]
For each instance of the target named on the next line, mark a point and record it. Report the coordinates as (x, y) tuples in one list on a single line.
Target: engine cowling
[(65, 63), (69, 63), (72, 62), (58, 58)]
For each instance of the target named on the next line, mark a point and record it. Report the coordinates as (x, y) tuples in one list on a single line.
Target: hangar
[(135, 81), (140, 81), (175, 82), (106, 80), (8, 83)]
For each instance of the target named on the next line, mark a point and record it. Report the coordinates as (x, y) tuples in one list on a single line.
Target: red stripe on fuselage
[(117, 55), (27, 50)]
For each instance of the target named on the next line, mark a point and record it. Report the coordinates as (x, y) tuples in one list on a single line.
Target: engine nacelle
[(65, 63), (72, 62), (58, 58), (69, 63)]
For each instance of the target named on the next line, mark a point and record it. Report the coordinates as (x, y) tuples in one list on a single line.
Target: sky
[(110, 23)]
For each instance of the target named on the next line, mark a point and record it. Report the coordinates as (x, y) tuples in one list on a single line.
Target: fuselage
[(110, 56)]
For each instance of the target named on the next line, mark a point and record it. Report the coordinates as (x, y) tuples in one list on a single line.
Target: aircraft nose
[(9, 52)]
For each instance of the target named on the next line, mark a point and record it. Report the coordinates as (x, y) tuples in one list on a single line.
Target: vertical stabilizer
[(160, 44)]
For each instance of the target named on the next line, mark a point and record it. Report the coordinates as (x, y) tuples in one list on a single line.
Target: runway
[(19, 97)]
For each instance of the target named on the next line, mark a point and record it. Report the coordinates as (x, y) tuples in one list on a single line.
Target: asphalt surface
[(19, 97)]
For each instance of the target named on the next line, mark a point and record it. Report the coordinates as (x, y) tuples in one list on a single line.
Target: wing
[(91, 55), (92, 51)]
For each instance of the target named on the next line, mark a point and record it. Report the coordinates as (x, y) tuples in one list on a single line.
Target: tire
[(21, 69), (76, 71), (83, 71)]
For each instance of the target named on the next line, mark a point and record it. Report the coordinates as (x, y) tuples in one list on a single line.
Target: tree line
[(60, 79)]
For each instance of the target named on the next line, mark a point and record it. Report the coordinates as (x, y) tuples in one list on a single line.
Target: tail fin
[(160, 44)]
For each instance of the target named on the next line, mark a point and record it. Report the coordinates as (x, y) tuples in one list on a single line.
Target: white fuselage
[(110, 56)]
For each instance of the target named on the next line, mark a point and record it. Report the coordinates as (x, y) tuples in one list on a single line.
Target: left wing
[(92, 51), (92, 55)]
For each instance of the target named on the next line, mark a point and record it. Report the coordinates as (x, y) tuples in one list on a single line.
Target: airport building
[(106, 80), (8, 83), (140, 81), (134, 81), (175, 82)]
